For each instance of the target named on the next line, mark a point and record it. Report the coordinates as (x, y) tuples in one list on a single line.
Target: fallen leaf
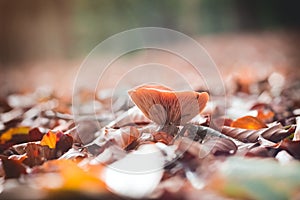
[(38, 154), (35, 134), (292, 147), (49, 139), (63, 144), (264, 112), (274, 133), (265, 116), (248, 122), (71, 177), (8, 135), (12, 168), (221, 146)]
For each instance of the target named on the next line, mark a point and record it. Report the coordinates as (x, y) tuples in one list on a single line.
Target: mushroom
[(167, 107)]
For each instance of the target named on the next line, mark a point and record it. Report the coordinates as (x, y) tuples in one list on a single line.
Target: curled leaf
[(248, 122), (221, 146), (200, 133), (274, 133), (292, 147)]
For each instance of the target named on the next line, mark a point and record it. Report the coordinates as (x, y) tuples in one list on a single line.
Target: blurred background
[(44, 42)]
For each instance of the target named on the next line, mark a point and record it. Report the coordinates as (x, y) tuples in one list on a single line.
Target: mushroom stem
[(170, 129)]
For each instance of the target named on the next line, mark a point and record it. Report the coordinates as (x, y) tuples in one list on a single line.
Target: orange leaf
[(73, 178), (265, 115), (248, 122), (49, 140), (6, 136)]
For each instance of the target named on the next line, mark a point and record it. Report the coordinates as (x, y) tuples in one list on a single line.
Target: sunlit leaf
[(49, 139), (248, 122), (73, 177), (6, 136), (265, 115)]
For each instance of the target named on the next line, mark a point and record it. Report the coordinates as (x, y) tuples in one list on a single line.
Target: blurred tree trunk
[(33, 30)]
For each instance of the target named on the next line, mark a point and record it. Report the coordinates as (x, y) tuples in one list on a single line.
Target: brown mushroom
[(167, 107)]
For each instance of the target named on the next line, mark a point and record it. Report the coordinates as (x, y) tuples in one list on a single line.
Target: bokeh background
[(44, 42)]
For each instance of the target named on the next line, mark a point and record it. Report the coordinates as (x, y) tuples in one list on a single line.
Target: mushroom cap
[(166, 107)]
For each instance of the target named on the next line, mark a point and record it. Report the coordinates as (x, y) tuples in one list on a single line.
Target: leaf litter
[(250, 153)]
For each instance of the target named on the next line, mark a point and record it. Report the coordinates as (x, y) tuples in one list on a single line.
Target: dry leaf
[(248, 122), (274, 133), (265, 116), (73, 178), (38, 154), (12, 168), (49, 139), (292, 147), (221, 146), (7, 136)]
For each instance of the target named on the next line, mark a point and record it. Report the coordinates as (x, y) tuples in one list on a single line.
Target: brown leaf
[(38, 154), (12, 168), (167, 107), (292, 147), (261, 151), (248, 122), (19, 135), (274, 133), (221, 146), (35, 134), (64, 143)]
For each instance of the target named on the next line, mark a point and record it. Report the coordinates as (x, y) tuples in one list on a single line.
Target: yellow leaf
[(73, 177), (6, 136), (248, 122), (49, 140)]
